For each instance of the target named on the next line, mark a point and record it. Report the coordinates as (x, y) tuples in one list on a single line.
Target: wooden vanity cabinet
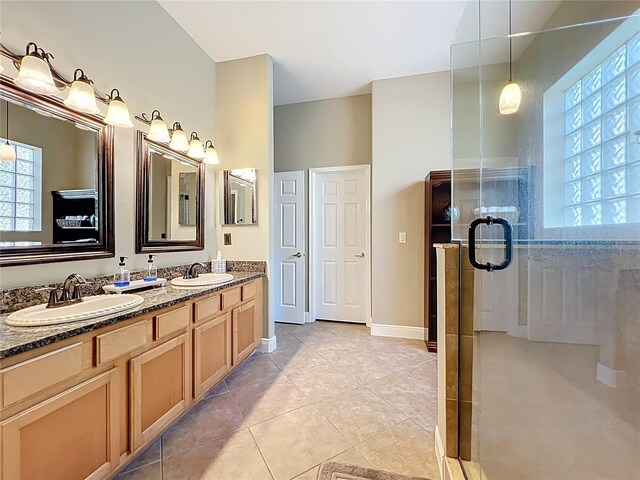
[(244, 342), (211, 353)]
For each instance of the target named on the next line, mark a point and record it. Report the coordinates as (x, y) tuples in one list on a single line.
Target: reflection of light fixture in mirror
[(118, 113), (179, 140), (81, 96), (158, 131), (7, 151), (511, 95), (196, 149), (210, 154), (35, 74)]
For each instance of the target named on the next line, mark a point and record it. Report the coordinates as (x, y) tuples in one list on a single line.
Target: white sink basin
[(203, 280), (91, 307)]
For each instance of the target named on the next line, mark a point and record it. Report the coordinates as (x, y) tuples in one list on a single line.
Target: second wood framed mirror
[(169, 199)]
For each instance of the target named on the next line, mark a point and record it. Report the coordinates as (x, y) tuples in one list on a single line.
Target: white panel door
[(289, 273), (339, 232)]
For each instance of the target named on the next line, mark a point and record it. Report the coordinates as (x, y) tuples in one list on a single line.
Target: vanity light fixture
[(158, 131), (118, 113), (210, 154), (81, 96), (7, 151), (179, 140), (34, 74), (196, 149), (511, 95)]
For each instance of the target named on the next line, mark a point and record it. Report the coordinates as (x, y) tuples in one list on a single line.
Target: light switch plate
[(227, 239), (402, 237)]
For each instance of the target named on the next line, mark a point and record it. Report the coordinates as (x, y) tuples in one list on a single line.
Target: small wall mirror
[(170, 200), (239, 197), (56, 197)]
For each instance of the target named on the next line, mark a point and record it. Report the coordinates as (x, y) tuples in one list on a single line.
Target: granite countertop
[(15, 340)]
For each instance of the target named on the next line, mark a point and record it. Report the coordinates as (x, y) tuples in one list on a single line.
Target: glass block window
[(601, 153), (20, 189)]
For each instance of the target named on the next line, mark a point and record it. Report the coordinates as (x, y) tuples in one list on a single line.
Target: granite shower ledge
[(16, 340)]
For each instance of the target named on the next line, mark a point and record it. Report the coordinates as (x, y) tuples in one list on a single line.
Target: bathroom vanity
[(80, 400)]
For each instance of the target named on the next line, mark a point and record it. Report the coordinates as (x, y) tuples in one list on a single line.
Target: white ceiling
[(329, 49)]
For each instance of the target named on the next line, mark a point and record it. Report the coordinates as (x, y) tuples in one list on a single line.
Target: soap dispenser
[(122, 276), (151, 274)]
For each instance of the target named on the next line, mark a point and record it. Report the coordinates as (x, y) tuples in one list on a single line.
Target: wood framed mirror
[(56, 197), (169, 199)]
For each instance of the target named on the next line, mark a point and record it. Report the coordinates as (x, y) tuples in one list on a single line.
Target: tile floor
[(329, 391)]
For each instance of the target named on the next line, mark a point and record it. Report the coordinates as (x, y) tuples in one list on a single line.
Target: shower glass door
[(555, 340)]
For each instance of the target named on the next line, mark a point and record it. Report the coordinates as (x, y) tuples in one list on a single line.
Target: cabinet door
[(159, 388), (72, 435), (244, 318), (212, 353)]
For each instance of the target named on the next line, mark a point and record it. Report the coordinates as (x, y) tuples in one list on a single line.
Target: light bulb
[(196, 149), (158, 131), (35, 74), (210, 154), (179, 140), (510, 99), (118, 113), (81, 96), (7, 152)]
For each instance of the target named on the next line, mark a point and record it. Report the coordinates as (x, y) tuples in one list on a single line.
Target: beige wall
[(410, 138), (118, 44), (244, 91)]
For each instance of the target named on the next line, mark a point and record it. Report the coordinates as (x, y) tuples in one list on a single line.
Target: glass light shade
[(510, 99), (196, 149), (35, 75), (158, 131), (82, 97), (118, 114), (179, 141), (7, 152), (211, 156)]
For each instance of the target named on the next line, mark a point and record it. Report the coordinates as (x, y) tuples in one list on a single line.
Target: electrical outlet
[(402, 237), (227, 239)]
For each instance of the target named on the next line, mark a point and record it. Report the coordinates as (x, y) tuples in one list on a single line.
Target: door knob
[(298, 254), (360, 255)]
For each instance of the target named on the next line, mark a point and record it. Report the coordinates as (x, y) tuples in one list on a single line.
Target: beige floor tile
[(336, 350), (234, 456), (406, 448), (365, 366), (287, 342), (296, 359), (221, 387), (427, 419), (150, 455), (253, 371), (359, 414), (405, 392), (152, 471), (265, 400), (345, 330), (351, 457), (297, 441), (322, 381), (311, 474), (313, 333), (211, 418)]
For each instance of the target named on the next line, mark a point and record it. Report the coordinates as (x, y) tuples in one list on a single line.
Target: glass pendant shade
[(118, 113), (35, 74), (211, 155), (81, 96), (7, 152), (510, 99), (179, 140), (196, 149), (158, 131)]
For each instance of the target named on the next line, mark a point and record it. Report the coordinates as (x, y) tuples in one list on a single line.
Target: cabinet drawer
[(231, 298), (207, 308), (248, 291), (172, 321), (122, 341), (32, 376)]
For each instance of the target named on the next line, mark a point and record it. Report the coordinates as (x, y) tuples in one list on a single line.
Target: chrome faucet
[(67, 296), (192, 270)]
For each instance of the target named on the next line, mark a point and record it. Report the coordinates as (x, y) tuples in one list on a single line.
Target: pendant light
[(196, 149), (158, 131), (511, 94), (7, 151), (35, 74), (210, 154), (179, 140), (118, 113), (81, 96)]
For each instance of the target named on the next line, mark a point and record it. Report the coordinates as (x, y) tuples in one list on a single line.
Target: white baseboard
[(398, 331), (439, 453), (268, 344), (307, 317), (610, 377)]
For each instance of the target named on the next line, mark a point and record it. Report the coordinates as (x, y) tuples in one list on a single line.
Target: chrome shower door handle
[(508, 240)]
